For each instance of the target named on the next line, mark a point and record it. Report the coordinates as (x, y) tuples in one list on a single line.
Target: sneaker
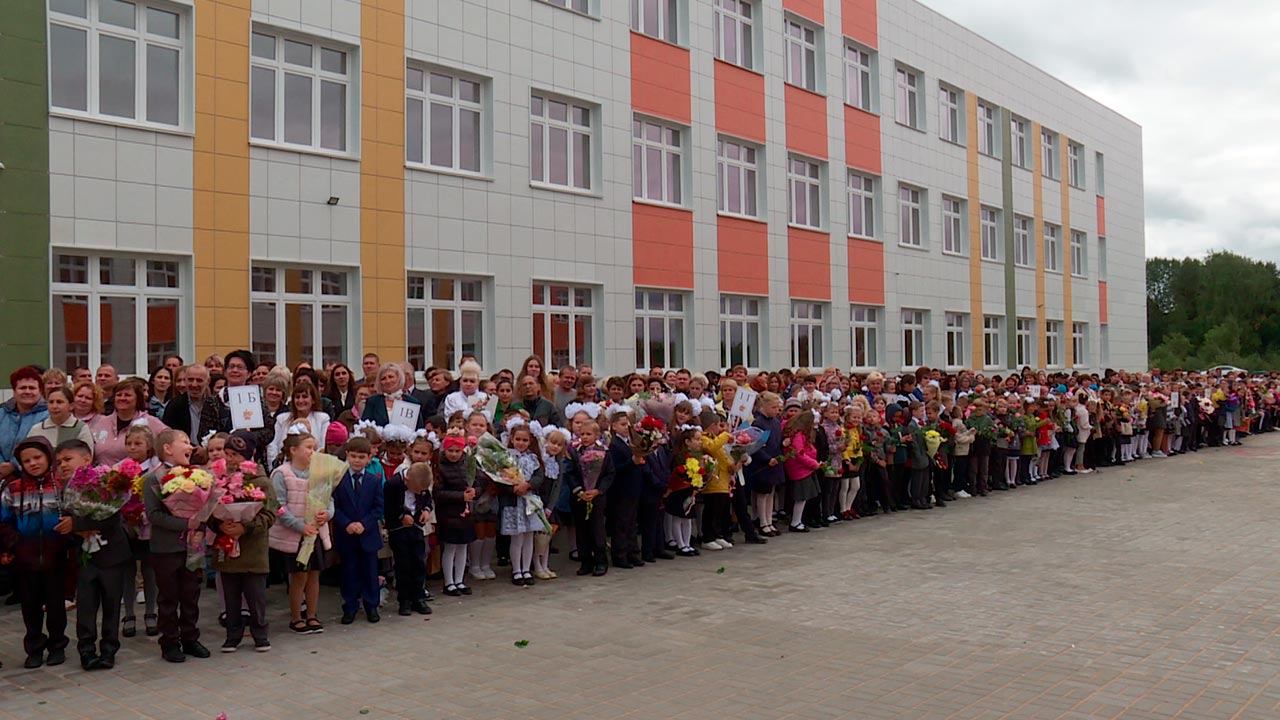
[(712, 545), (262, 646), (230, 646), (475, 572), (1158, 454), (725, 543), (489, 574), (963, 494)]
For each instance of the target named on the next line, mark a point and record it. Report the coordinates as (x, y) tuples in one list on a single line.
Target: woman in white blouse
[(304, 409)]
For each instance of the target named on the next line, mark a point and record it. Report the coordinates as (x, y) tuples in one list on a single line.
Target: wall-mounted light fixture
[(333, 200)]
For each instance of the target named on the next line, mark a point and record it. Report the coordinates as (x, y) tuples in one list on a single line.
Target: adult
[(370, 364), (683, 378), (217, 414), (87, 401), (275, 390), (342, 388), (61, 425), (566, 390), (19, 414), (534, 368), (161, 387), (186, 411), (80, 374), (53, 378), (259, 373), (532, 402), (215, 364), (390, 388), (439, 384), (172, 362), (106, 378), (411, 383), (304, 409), (129, 398)]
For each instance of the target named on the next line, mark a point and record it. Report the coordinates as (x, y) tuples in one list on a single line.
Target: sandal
[(314, 625), (298, 626)]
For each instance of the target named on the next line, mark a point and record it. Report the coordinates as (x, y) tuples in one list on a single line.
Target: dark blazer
[(177, 415), (393, 507), (628, 477), (655, 473), (116, 550), (577, 483), (365, 508), (375, 409), (539, 409), (758, 475)]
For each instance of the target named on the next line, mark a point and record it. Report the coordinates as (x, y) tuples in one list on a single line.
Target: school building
[(628, 183)]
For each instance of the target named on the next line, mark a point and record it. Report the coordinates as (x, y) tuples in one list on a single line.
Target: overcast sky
[(1202, 77)]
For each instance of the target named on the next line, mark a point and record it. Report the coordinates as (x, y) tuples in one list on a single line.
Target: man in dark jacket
[(186, 411), (531, 401)]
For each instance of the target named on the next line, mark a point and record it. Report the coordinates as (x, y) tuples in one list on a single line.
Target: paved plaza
[(1150, 591)]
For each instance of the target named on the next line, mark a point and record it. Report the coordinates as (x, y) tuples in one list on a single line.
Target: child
[(409, 519), (588, 487), (290, 483), (178, 589), (139, 445), (480, 554), (832, 470), (850, 480), (555, 464), (34, 543), (244, 577), (801, 465), (918, 490), (516, 517), (715, 494), (395, 449), (452, 495), (875, 467), (214, 447), (624, 494), (765, 473), (357, 508), (681, 488)]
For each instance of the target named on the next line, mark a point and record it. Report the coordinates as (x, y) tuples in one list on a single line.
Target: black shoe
[(624, 564), (664, 555), (503, 562), (584, 570), (404, 610), (130, 627), (106, 662), (261, 645), (452, 591), (195, 649), (348, 618), (649, 558), (33, 662), (575, 556), (940, 503), (173, 654), (152, 624), (56, 657), (230, 646), (372, 615), (795, 529), (757, 541), (464, 588), (517, 579), (600, 570), (87, 661), (688, 552), (636, 560), (529, 580)]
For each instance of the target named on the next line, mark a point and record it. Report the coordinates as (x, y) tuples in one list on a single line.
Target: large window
[(560, 142), (740, 340), (443, 120), (908, 98), (950, 114), (802, 55), (910, 216), (990, 218), (1102, 258), (952, 226), (660, 318), (859, 78), (1079, 259), (446, 320), (805, 180), (913, 352), (115, 310), (1024, 350), (1049, 154), (300, 315), (737, 178), (299, 90), (864, 323), (1052, 343), (656, 18), (1079, 344), (955, 326), (1018, 139), (988, 140), (563, 323), (656, 152), (990, 341), (862, 205), (1075, 165), (1052, 247), (119, 60), (808, 325), (1022, 241), (732, 31)]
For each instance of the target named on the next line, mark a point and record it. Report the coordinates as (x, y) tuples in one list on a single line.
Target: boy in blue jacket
[(358, 505)]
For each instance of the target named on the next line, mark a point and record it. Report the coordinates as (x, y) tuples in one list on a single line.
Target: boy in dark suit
[(407, 500), (358, 506)]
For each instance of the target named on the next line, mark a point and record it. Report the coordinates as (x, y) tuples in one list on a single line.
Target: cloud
[(1169, 204)]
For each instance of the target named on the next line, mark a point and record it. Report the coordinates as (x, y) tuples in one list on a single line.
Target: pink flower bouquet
[(240, 502), (189, 493)]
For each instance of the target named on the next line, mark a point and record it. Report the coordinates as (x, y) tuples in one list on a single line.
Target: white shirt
[(318, 421)]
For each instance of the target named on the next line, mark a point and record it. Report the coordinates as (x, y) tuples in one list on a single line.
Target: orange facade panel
[(660, 79), (662, 246), (860, 21), (809, 264), (807, 9), (806, 122), (866, 272), (742, 255), (862, 140), (739, 102), (1102, 216), (1102, 301)]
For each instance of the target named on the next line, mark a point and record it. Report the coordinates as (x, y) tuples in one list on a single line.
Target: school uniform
[(359, 498), (408, 543), (244, 577), (178, 588), (624, 503), (654, 476), (591, 529), (100, 588)]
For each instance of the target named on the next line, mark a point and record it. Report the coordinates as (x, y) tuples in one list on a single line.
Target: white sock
[(517, 549), (460, 564), (447, 557), (526, 553), (797, 513), (684, 529)]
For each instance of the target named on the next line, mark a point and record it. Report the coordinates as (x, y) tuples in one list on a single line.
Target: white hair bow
[(687, 428), (618, 410), (591, 409), (432, 438), (514, 421), (207, 437), (298, 429), (706, 403), (397, 433)]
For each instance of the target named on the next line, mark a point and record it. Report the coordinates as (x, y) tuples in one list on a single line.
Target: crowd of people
[(389, 488)]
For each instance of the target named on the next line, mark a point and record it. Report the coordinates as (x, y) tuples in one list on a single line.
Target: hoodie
[(29, 509)]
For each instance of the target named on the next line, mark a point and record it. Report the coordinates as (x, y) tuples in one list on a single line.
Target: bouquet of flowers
[(592, 459), (325, 474), (695, 470), (502, 465), (745, 442), (660, 406), (933, 440), (134, 512), (646, 435), (97, 493), (240, 501), (190, 494)]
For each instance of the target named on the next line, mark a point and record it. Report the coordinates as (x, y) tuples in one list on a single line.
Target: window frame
[(1018, 141), (810, 184), (993, 238), (951, 114), (666, 14), (574, 310), (1079, 344), (954, 324), (746, 321), (1102, 257), (1053, 344), (860, 79), (953, 222), (316, 298), (808, 321), (914, 336), (991, 341), (1024, 343), (749, 175), (573, 130), (988, 138), (668, 152), (911, 209), (1079, 245), (1075, 165), (1049, 151), (1022, 241), (1052, 248), (907, 83), (458, 106), (458, 306), (864, 335), (674, 341), (810, 51), (744, 28), (280, 68), (863, 192)]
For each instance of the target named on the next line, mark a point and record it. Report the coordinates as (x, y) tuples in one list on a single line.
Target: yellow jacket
[(853, 443), (722, 480)]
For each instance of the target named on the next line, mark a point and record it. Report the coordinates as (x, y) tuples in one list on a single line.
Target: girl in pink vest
[(290, 481)]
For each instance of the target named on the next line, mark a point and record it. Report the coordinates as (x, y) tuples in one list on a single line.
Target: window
[(988, 141), (299, 91), (1018, 140), (737, 178), (955, 323), (862, 205), (990, 219), (575, 5), (116, 310), (732, 30), (1099, 180), (442, 120), (1022, 241), (1079, 268), (560, 143), (660, 317), (949, 114), (1079, 344), (1102, 258), (803, 176), (910, 216), (1075, 165), (913, 338), (1104, 343), (740, 339), (446, 320), (859, 91), (563, 323), (1049, 153), (802, 55), (952, 226), (1022, 342), (908, 96), (655, 162), (120, 60), (864, 324), (655, 18), (299, 315), (807, 329), (990, 341), (1052, 247), (1052, 346)]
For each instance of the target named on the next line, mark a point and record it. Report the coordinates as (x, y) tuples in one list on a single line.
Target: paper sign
[(246, 407), (744, 403), (1175, 398), (491, 407), (405, 414), (1035, 391)]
